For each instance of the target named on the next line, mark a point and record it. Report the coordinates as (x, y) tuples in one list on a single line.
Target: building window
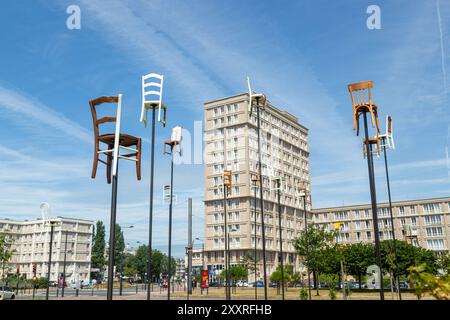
[(357, 214), (434, 232), (412, 209), (432, 219), (432, 208), (369, 235), (402, 211), (435, 244), (414, 221)]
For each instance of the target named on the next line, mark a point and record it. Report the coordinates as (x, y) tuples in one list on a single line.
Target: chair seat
[(149, 105), (125, 140)]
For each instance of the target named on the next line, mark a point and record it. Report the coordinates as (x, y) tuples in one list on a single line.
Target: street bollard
[(34, 291), (137, 288), (92, 291), (120, 286), (57, 292), (76, 292)]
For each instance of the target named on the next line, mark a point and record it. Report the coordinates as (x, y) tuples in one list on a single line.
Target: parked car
[(242, 283), (353, 285), (273, 284), (258, 284), (7, 293), (214, 284)]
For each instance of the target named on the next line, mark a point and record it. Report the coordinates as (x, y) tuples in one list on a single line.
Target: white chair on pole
[(152, 90), (254, 96), (387, 139)]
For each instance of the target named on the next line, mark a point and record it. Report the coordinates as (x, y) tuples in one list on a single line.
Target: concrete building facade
[(230, 139), (424, 223), (30, 241)]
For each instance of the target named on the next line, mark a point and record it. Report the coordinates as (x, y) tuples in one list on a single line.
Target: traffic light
[(227, 178), (34, 269)]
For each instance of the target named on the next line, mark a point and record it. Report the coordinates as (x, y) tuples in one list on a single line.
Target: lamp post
[(229, 264), (255, 179), (203, 257), (227, 183), (338, 227), (278, 181), (153, 88), (64, 265), (304, 195), (52, 226), (175, 140)]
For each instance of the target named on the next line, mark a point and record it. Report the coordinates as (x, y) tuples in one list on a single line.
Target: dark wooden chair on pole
[(126, 141)]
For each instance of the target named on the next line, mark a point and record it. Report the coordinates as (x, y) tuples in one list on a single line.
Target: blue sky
[(302, 54)]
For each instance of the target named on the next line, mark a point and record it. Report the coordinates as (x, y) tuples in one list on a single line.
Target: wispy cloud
[(29, 108)]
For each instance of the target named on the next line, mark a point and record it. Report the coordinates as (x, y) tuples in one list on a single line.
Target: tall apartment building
[(31, 245), (231, 144), (424, 223)]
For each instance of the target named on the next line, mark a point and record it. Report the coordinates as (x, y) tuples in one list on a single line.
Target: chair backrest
[(108, 99), (361, 93), (251, 95), (152, 90), (96, 102)]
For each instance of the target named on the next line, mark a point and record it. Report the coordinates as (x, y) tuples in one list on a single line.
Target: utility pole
[(189, 278)]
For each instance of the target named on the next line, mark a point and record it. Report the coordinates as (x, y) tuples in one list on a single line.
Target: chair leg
[(138, 162), (95, 161), (109, 164)]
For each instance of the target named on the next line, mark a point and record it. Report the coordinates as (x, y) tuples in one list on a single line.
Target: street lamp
[(278, 188), (257, 97), (152, 88), (64, 265), (45, 208), (121, 271), (361, 95), (204, 267), (387, 140), (227, 183), (304, 192), (233, 230), (339, 227), (255, 180), (175, 140)]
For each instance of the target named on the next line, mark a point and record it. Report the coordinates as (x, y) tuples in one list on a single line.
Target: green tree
[(443, 262), (311, 245), (6, 252), (287, 276), (119, 248), (98, 249), (424, 282), (332, 281), (407, 256), (357, 258), (248, 262)]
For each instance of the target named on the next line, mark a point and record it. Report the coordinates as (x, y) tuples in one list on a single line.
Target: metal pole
[(112, 233), (281, 239), (392, 224), (261, 199), (189, 247), (226, 241), (150, 223), (170, 222), (64, 267), (307, 245), (256, 287), (374, 204), (228, 270), (120, 288), (49, 260)]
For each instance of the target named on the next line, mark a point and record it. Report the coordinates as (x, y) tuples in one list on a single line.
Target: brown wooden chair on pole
[(361, 94), (125, 142)]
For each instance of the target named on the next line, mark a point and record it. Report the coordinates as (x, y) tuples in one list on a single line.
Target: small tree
[(98, 248), (6, 252), (424, 282), (332, 281)]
